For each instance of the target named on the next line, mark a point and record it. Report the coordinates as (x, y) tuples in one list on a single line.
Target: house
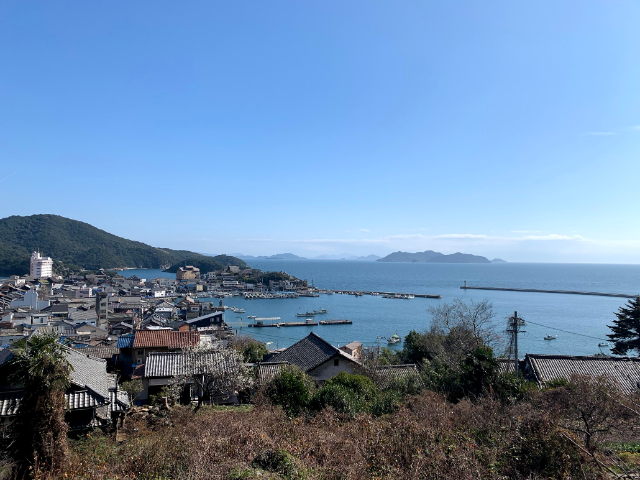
[(318, 358), (212, 320), (104, 352), (163, 367), (57, 310), (30, 300), (188, 272), (622, 371), (147, 341), (91, 331), (92, 399), (354, 349)]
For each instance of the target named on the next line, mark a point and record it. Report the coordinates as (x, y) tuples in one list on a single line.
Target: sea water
[(580, 322)]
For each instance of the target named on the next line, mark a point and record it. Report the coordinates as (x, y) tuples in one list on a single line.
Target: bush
[(277, 461), (291, 389), (346, 393)]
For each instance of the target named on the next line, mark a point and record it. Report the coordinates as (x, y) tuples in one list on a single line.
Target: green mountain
[(209, 264), (430, 256), (73, 244)]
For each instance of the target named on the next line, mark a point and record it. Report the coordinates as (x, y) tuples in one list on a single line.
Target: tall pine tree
[(626, 329)]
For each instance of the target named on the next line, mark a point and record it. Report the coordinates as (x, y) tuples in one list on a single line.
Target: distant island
[(277, 256), (346, 256), (429, 256), (498, 260), (291, 256)]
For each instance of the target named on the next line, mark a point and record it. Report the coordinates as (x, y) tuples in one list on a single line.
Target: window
[(140, 352), (336, 362)]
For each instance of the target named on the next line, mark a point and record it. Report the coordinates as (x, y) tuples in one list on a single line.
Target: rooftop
[(165, 338)]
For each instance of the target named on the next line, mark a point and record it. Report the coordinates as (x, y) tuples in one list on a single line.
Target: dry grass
[(428, 438)]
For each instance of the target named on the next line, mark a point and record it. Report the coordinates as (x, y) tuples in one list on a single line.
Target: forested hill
[(209, 264), (76, 244)]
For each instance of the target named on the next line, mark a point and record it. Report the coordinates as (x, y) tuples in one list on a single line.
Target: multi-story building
[(41, 267), (188, 273)]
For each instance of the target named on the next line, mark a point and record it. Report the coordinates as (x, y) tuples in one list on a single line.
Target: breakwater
[(535, 290)]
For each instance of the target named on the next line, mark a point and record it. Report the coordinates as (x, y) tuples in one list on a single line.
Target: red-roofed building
[(147, 341)]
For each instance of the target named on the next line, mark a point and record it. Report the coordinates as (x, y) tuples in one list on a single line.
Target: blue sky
[(500, 128)]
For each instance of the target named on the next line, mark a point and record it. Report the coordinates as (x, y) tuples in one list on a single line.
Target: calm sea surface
[(577, 317)]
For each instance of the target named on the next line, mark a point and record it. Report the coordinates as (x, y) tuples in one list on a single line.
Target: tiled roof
[(9, 402), (88, 372), (170, 364), (75, 400), (268, 370), (165, 338), (119, 400), (84, 399), (623, 371), (99, 352), (125, 341), (310, 352)]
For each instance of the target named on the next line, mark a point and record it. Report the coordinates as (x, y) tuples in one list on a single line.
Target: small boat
[(305, 314), (603, 344), (393, 339), (550, 337), (252, 316), (320, 310), (240, 310)]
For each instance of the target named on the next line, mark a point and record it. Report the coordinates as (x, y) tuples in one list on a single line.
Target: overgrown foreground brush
[(427, 437)]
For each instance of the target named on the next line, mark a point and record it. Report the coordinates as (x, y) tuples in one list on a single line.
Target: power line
[(567, 331)]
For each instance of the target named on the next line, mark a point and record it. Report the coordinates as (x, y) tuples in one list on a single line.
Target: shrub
[(277, 461), (346, 393), (291, 389)]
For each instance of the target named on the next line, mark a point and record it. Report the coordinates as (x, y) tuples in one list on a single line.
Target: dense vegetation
[(209, 264), (74, 245)]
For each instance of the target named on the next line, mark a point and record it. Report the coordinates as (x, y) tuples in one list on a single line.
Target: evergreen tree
[(40, 441), (626, 329)]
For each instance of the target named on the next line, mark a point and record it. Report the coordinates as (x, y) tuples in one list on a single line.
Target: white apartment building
[(41, 267)]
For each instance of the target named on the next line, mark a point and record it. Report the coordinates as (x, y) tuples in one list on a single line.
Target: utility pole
[(513, 329)]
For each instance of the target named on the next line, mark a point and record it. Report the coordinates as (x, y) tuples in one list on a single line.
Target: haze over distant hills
[(429, 256), (291, 256)]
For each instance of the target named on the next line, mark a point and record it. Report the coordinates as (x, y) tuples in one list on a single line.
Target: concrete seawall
[(566, 292)]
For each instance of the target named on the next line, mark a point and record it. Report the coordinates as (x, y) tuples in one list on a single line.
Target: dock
[(274, 322), (535, 290), (392, 294), (336, 322)]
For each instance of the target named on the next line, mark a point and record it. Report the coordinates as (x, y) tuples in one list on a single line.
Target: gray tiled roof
[(75, 400), (624, 371), (170, 364), (88, 372), (310, 352), (120, 401), (9, 402), (84, 399), (99, 352), (267, 370)]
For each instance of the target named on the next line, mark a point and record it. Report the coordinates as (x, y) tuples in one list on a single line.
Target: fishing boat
[(393, 339), (550, 337), (603, 344), (240, 310), (252, 316), (305, 314), (320, 310)]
